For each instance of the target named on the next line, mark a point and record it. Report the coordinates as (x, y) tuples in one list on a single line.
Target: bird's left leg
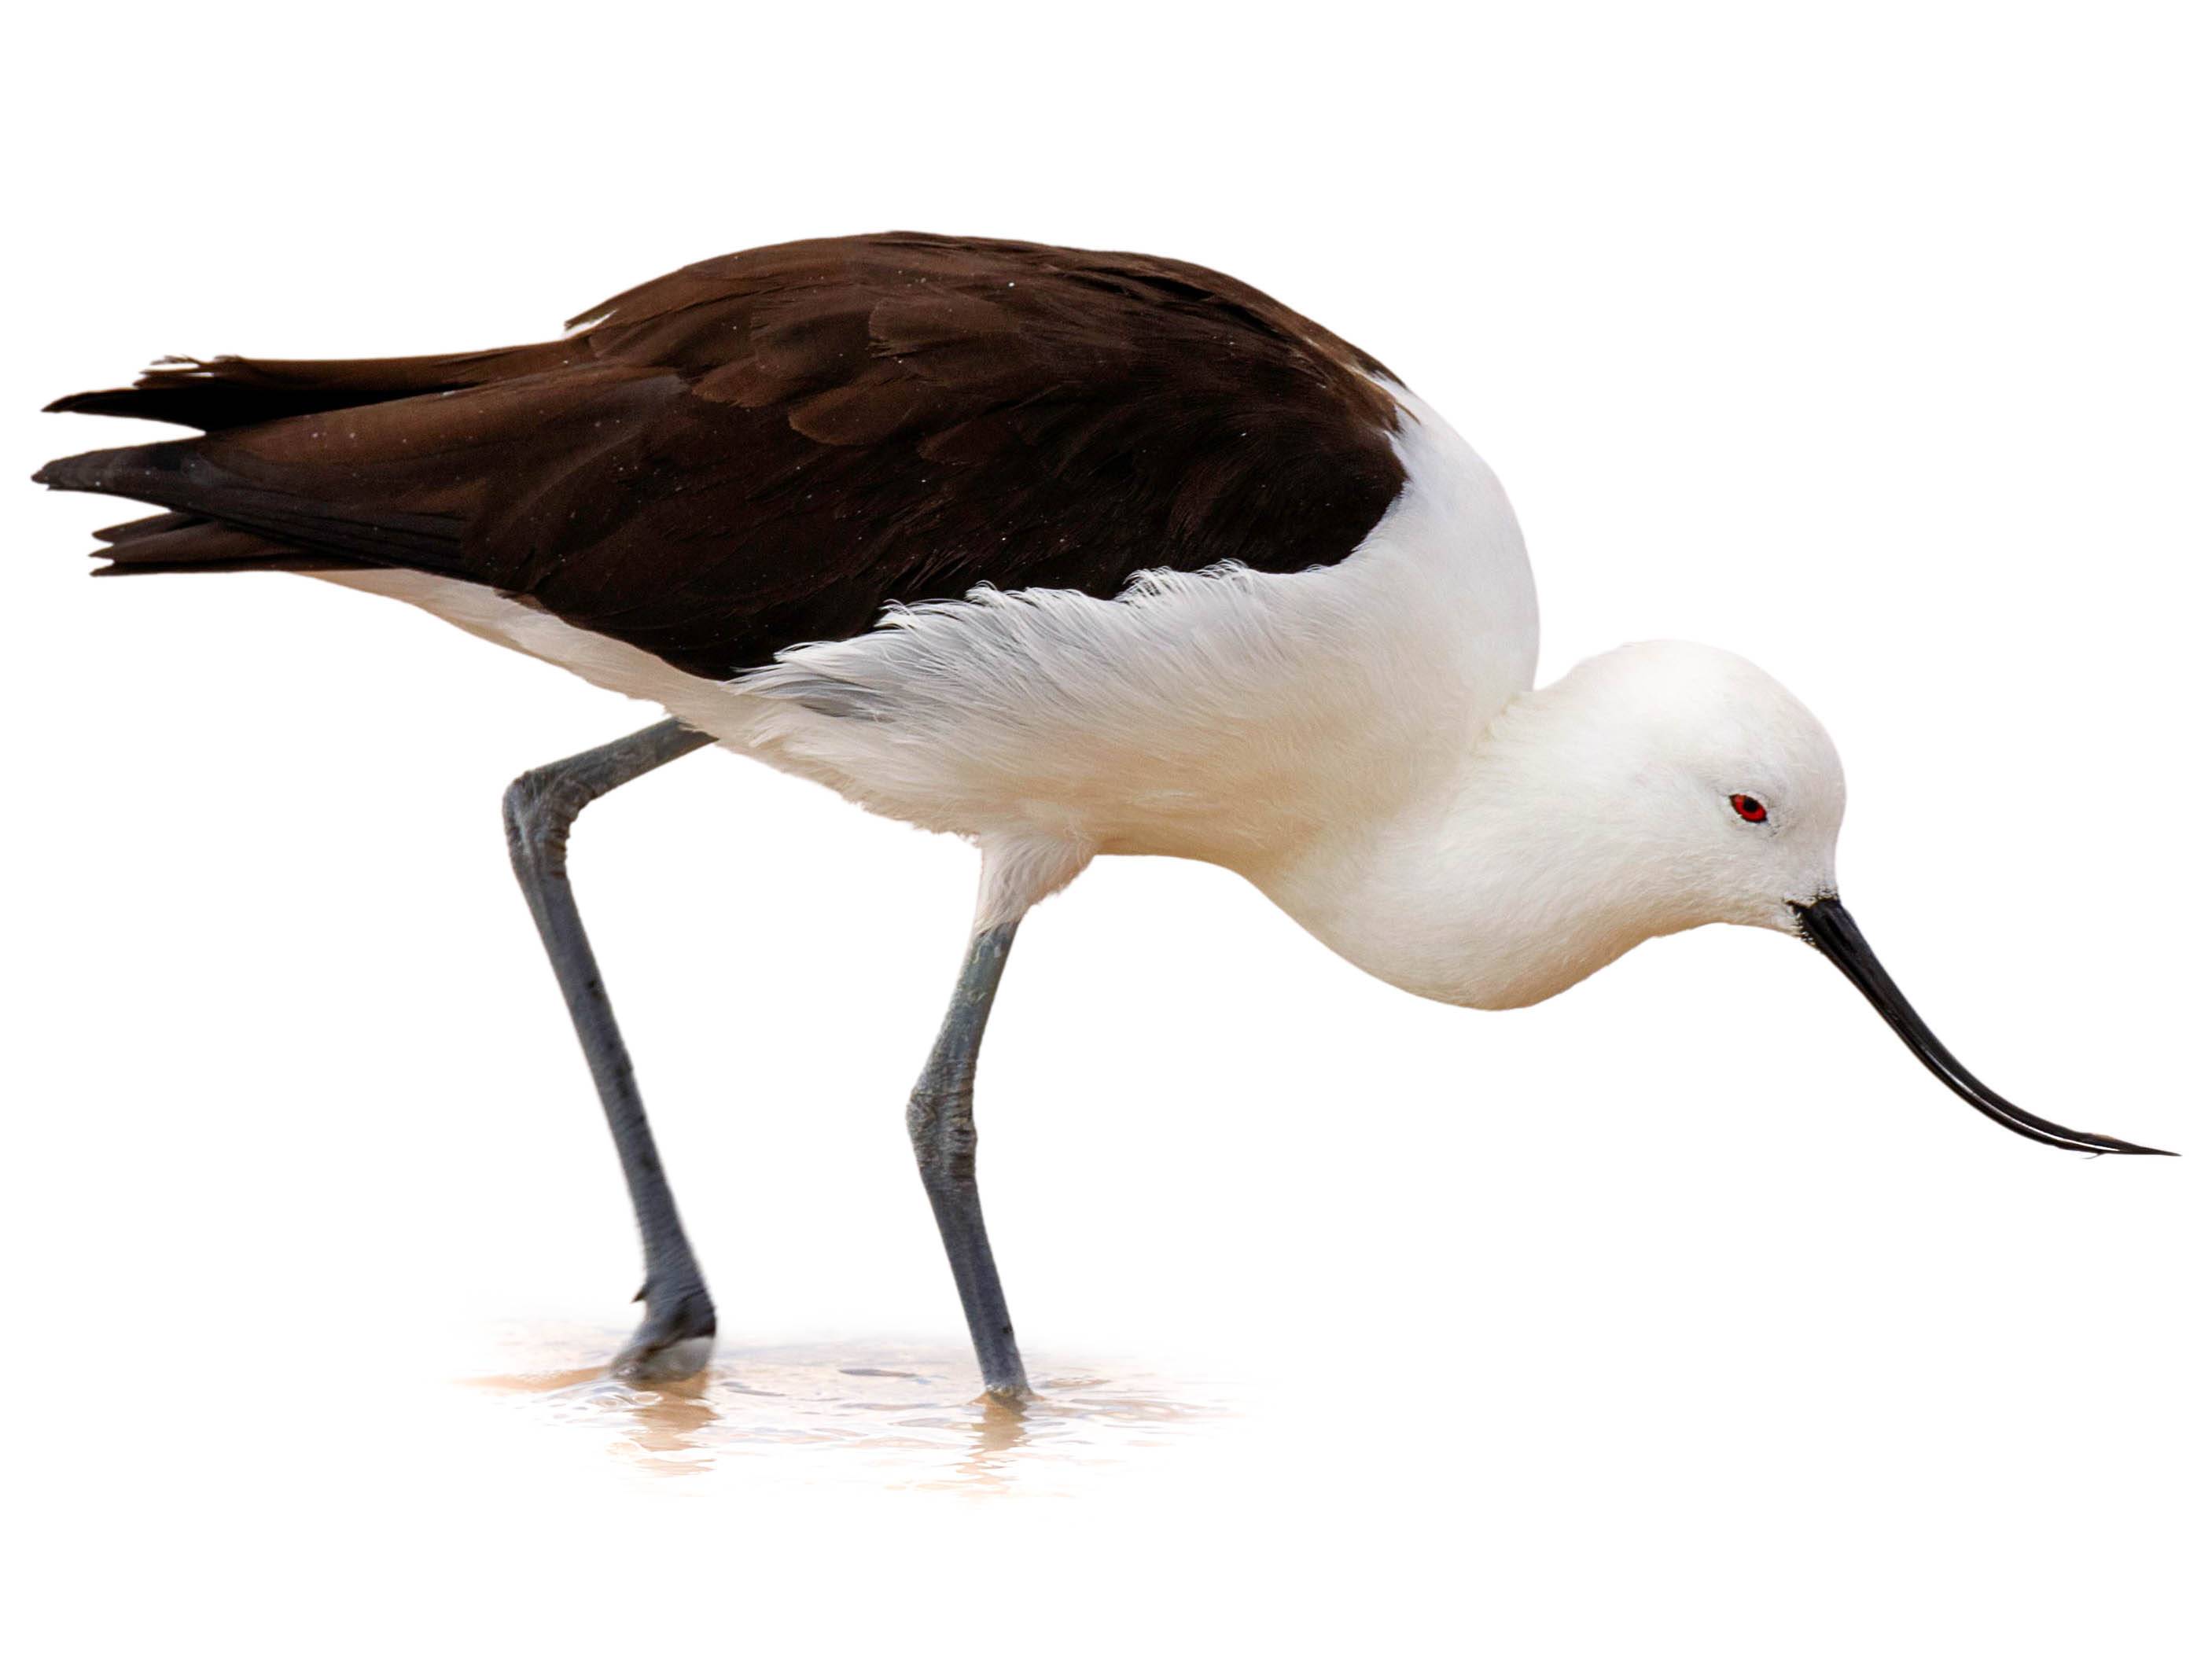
[(541, 806)]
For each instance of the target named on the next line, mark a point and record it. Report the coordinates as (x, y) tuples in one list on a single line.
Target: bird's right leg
[(940, 1119), (678, 1332)]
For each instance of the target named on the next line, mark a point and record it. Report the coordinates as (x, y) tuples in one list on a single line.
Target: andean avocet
[(1068, 553)]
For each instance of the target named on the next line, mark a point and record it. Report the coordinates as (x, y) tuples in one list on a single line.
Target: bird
[(1068, 553)]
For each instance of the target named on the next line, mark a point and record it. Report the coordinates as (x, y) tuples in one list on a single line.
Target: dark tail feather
[(261, 528), (334, 464), (131, 530), (172, 542)]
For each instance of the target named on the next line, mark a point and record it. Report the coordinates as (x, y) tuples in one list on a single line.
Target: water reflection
[(883, 1415)]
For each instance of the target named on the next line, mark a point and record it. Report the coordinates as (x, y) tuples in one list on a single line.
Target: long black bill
[(1828, 928)]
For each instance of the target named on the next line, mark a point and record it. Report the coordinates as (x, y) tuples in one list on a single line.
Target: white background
[(1684, 1314)]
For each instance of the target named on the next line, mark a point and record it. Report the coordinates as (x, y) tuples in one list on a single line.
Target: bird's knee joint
[(553, 791), (941, 1123), (538, 809)]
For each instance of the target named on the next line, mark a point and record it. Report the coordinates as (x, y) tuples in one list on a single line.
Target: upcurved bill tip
[(1828, 928)]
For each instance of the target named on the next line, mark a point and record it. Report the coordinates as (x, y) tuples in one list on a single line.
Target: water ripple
[(881, 1415)]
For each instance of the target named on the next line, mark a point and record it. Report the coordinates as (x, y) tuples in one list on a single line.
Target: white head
[(1672, 785), (1657, 787)]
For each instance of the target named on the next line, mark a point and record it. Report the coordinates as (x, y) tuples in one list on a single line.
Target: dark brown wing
[(767, 449)]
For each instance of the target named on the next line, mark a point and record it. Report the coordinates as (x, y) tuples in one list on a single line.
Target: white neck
[(1468, 893)]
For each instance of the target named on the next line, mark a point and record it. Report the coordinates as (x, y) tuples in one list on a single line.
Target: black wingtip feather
[(130, 471), (120, 400), (216, 394)]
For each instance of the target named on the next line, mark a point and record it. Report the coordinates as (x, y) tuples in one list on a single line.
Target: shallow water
[(880, 1414)]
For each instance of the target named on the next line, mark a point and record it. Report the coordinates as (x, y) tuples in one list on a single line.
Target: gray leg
[(677, 1331), (941, 1119)]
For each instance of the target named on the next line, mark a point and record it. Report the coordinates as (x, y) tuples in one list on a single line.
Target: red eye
[(1749, 808)]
